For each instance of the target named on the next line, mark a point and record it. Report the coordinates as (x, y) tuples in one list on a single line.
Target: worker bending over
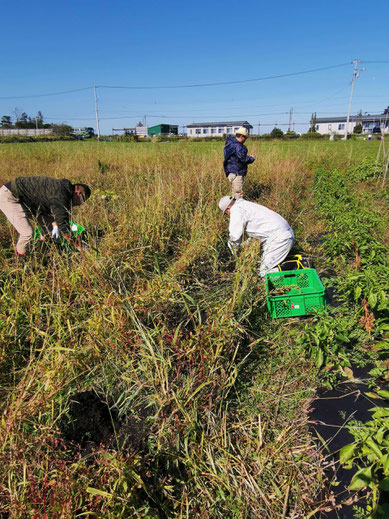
[(261, 223), (47, 200)]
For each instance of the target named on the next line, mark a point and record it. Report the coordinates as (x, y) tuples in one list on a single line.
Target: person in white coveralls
[(261, 223)]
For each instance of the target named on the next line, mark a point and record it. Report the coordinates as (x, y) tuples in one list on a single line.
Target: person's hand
[(55, 232)]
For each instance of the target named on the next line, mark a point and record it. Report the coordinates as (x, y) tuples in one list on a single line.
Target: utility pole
[(258, 129), (97, 115), (355, 76), (290, 119)]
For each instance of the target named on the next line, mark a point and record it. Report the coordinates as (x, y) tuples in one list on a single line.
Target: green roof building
[(163, 129)]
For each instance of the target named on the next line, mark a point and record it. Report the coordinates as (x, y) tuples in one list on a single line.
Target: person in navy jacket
[(236, 160)]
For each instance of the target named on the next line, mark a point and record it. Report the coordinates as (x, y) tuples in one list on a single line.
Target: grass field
[(144, 377)]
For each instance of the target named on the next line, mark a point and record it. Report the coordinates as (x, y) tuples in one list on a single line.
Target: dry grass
[(160, 323)]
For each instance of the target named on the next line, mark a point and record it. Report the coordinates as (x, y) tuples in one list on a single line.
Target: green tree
[(277, 133), (312, 128), (62, 130), (358, 128), (291, 135), (22, 121), (6, 121), (39, 119)]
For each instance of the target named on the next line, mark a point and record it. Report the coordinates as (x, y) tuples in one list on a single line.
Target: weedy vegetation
[(144, 376)]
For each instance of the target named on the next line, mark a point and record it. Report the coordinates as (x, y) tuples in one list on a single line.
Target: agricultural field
[(144, 376)]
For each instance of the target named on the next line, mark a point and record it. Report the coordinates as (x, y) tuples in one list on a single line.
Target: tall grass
[(167, 331)]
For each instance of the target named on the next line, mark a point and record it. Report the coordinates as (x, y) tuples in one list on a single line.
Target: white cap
[(242, 131), (225, 202)]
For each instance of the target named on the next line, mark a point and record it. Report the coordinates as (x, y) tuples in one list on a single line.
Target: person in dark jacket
[(236, 160), (49, 201)]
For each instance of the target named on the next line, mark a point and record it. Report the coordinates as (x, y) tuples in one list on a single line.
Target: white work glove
[(55, 232), (233, 247)]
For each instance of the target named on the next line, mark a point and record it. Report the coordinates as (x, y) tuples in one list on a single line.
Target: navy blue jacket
[(236, 159)]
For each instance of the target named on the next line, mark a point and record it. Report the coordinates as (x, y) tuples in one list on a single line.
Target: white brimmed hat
[(242, 131), (225, 202)]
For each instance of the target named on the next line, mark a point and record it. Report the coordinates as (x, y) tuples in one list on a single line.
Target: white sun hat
[(225, 202), (242, 131)]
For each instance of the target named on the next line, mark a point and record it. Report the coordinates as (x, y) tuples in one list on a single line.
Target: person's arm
[(60, 214), (61, 220), (241, 153), (236, 230)]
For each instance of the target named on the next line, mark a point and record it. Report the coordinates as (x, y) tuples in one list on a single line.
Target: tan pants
[(236, 185), (15, 214)]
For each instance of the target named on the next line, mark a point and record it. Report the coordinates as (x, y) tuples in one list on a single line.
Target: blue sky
[(51, 47)]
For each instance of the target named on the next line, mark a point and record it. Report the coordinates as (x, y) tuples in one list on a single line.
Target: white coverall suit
[(265, 225)]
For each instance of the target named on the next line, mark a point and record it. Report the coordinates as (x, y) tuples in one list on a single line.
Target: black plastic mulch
[(331, 411)]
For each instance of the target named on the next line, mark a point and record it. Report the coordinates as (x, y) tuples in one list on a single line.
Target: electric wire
[(219, 83), (47, 95), (149, 87)]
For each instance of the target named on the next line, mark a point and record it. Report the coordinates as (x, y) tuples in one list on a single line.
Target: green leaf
[(384, 484), (374, 447), (373, 395), (189, 298), (385, 464), (347, 452), (380, 435), (384, 394), (357, 292), (381, 345), (319, 358), (361, 479), (341, 337), (372, 299), (380, 412), (97, 492)]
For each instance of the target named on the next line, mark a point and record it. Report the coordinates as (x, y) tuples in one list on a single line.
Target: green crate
[(304, 295)]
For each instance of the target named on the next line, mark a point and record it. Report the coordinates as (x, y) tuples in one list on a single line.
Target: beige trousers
[(236, 185), (15, 214)]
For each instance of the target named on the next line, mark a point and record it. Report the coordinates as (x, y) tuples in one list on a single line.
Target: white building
[(141, 131), (216, 129), (337, 125)]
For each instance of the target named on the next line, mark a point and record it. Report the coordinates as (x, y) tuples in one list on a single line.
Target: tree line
[(23, 120)]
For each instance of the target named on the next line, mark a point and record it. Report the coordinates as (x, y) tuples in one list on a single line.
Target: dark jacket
[(236, 159), (45, 196)]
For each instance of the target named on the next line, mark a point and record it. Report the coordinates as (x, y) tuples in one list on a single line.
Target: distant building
[(126, 131), (141, 130), (215, 129), (163, 129), (337, 125)]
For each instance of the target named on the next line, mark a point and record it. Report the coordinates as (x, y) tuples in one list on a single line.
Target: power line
[(196, 85), (226, 82), (206, 116), (47, 95)]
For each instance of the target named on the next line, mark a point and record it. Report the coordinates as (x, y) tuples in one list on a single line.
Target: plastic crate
[(303, 293)]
